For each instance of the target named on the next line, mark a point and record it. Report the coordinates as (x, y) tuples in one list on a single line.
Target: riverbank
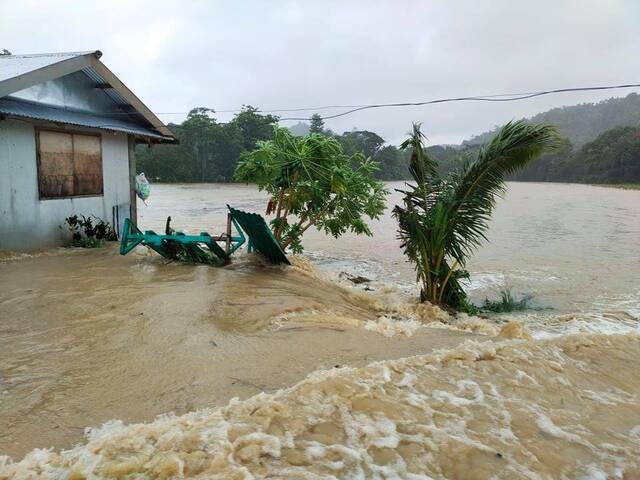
[(623, 186)]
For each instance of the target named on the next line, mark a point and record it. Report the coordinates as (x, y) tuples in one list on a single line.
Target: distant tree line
[(602, 145), (209, 151), (392, 164), (613, 157)]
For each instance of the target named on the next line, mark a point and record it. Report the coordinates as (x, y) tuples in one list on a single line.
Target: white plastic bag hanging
[(143, 188)]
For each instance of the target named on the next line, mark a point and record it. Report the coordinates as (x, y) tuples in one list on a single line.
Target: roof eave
[(46, 73), (163, 140), (77, 63), (128, 95)]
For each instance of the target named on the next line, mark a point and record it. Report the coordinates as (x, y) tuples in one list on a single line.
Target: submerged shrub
[(507, 303), (88, 232)]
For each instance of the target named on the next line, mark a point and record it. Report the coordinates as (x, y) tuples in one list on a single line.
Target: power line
[(485, 98), (238, 110), (499, 97)]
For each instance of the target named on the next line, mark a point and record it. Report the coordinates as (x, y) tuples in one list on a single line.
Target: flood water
[(90, 338), (574, 248)]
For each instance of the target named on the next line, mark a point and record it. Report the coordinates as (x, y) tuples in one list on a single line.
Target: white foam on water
[(467, 412), (390, 327), (607, 315), (545, 327), (400, 314)]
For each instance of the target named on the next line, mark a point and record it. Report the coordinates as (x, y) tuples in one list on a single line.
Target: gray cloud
[(277, 54)]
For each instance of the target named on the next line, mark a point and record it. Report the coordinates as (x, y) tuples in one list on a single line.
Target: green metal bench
[(204, 248), (260, 237)]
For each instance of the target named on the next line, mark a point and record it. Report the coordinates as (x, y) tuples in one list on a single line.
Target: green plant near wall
[(89, 232), (444, 219), (311, 182)]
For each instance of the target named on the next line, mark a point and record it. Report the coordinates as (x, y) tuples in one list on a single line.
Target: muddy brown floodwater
[(296, 373), (88, 336)]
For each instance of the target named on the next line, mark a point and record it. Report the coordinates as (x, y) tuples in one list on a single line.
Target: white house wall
[(28, 223)]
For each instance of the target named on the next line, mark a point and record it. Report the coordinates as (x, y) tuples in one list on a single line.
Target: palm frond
[(421, 166), (480, 182)]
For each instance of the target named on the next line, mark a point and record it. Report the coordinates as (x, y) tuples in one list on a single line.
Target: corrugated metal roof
[(112, 92), (15, 65), (18, 72), (24, 109)]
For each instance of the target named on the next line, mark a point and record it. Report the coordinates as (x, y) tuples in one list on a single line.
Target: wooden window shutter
[(87, 163), (56, 164), (69, 164)]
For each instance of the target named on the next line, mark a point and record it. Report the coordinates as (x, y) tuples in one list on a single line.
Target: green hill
[(612, 158), (583, 123)]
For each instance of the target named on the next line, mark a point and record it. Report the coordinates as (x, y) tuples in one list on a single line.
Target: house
[(68, 130)]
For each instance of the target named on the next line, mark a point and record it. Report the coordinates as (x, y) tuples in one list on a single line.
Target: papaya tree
[(311, 182)]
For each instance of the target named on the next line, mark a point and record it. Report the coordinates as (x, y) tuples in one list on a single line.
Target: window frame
[(71, 132)]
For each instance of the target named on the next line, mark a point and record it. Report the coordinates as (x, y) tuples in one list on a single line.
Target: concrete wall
[(28, 223)]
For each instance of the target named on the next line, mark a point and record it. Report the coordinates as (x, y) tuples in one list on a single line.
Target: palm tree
[(444, 219)]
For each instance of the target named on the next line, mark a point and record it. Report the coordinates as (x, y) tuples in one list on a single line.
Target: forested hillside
[(613, 157), (602, 143), (583, 123)]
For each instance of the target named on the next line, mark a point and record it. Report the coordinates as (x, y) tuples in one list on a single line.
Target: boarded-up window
[(69, 164)]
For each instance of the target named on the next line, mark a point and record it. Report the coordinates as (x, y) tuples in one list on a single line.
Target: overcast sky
[(282, 54)]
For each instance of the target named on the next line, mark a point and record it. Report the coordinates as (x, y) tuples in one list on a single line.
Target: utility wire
[(485, 98), (499, 97), (237, 110)]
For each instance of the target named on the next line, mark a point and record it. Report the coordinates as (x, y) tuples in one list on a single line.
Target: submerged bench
[(260, 237), (204, 248)]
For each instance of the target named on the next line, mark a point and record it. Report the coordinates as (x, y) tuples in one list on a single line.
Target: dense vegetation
[(443, 219), (602, 145), (613, 157), (313, 182), (208, 150)]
